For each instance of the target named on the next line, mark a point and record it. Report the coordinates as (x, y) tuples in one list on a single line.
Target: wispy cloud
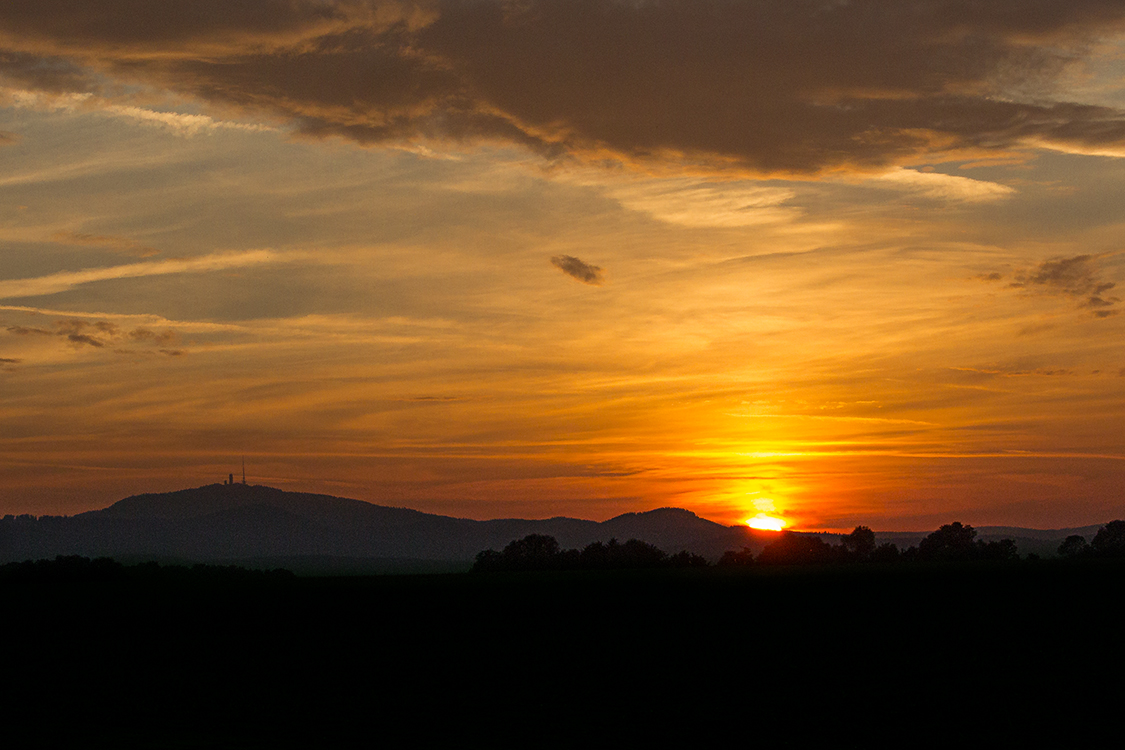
[(578, 269), (118, 244), (97, 334), (60, 282), (184, 124), (698, 203), (940, 186), (179, 123), (7, 138), (1077, 277)]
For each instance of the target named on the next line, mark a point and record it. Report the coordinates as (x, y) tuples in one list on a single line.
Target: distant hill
[(260, 526), (228, 523)]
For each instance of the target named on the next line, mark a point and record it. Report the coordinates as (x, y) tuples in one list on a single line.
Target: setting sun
[(767, 523)]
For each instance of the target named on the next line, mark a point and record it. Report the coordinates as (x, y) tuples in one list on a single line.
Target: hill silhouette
[(263, 525)]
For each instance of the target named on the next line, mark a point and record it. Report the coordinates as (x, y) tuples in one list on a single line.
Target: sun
[(767, 523)]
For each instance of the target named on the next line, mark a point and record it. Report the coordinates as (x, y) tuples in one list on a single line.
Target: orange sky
[(849, 263)]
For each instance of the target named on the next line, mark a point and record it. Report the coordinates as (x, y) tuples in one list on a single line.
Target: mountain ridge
[(238, 521), (224, 522)]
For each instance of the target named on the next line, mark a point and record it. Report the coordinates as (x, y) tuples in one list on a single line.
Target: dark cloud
[(769, 86), (100, 333), (1077, 277), (24, 331), (71, 330), (50, 74), (82, 338), (578, 269), (163, 337), (124, 26)]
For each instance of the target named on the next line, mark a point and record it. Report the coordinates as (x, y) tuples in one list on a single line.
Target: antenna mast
[(244, 469)]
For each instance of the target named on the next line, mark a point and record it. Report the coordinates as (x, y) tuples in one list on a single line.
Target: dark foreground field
[(840, 657)]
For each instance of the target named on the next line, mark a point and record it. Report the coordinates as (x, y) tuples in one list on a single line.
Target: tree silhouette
[(1073, 546), (1110, 540), (796, 549), (952, 542), (859, 545)]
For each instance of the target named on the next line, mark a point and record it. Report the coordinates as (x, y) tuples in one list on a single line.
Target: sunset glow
[(766, 523), (534, 259)]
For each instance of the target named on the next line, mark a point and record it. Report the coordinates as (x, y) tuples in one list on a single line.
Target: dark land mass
[(1006, 654), (263, 527), (266, 527)]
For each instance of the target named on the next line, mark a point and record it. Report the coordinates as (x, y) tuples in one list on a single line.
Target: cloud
[(51, 75), (118, 244), (765, 86), (1077, 277), (185, 125), (99, 334), (577, 269), (697, 203), (61, 282), (163, 337), (6, 138), (944, 186), (1005, 373)]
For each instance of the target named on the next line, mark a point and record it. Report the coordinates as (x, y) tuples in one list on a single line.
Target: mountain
[(236, 522), (266, 527)]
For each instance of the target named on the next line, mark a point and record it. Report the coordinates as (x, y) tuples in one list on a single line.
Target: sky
[(838, 262)]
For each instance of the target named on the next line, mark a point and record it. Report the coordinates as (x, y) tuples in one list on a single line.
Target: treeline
[(954, 542), (542, 552), (1108, 542)]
